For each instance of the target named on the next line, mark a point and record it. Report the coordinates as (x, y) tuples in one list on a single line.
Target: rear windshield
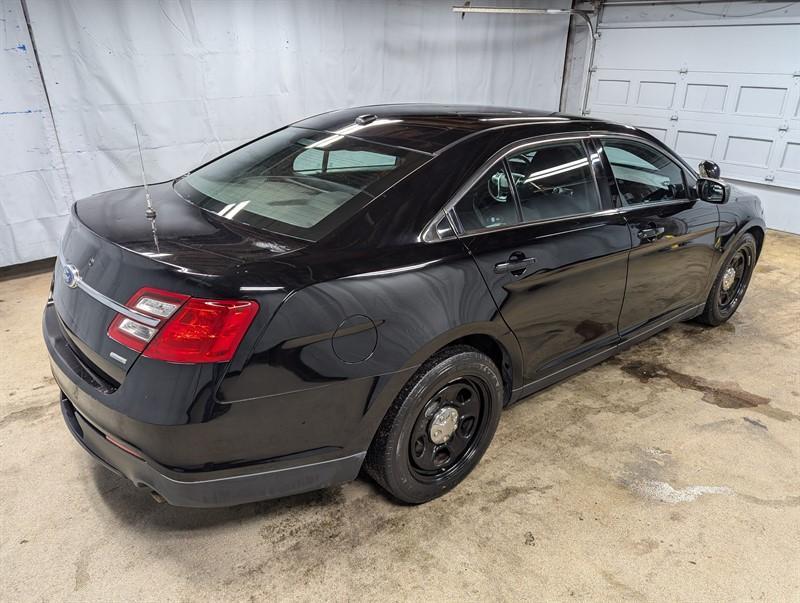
[(296, 181)]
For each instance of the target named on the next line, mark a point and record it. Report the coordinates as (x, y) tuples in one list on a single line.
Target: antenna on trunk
[(150, 213)]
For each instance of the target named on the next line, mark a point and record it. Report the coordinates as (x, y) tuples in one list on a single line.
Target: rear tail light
[(190, 330), (204, 330), (135, 332)]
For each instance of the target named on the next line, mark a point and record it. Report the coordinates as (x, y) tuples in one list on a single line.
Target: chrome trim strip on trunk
[(117, 307)]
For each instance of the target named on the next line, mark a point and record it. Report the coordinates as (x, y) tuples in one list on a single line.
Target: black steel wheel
[(438, 427), (731, 282), (448, 429)]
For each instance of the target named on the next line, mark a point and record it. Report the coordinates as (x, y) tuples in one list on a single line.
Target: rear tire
[(438, 427), (731, 283)]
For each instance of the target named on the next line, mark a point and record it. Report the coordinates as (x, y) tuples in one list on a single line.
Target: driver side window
[(489, 203), (643, 174)]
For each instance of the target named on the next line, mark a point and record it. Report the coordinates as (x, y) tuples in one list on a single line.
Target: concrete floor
[(671, 472)]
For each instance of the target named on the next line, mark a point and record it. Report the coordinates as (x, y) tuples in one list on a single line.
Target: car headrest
[(548, 158)]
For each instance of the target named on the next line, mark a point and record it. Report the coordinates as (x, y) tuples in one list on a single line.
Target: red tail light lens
[(189, 330), (155, 303), (203, 330)]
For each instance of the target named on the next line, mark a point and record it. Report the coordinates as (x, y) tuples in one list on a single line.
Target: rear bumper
[(204, 490), (93, 426)]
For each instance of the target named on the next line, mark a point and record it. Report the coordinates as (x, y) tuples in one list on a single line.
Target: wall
[(199, 77), (34, 191)]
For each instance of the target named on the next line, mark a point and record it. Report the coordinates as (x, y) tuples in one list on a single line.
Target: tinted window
[(553, 181), (297, 181), (643, 174), (318, 161), (489, 203)]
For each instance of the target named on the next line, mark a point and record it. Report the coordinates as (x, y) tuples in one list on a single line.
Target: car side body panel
[(354, 342)]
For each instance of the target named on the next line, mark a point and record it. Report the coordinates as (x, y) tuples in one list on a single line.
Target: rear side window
[(554, 181), (643, 174), (489, 203), (296, 181)]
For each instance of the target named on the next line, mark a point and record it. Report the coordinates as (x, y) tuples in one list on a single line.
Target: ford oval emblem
[(71, 276)]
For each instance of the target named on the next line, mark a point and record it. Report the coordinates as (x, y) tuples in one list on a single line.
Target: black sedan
[(369, 288)]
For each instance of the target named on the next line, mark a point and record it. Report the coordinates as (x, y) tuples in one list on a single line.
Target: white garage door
[(720, 88)]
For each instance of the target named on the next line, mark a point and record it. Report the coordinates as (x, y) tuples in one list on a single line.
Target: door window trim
[(588, 152), (430, 235), (611, 178), (455, 221)]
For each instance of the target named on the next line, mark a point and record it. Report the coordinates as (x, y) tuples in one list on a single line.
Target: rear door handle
[(514, 264), (650, 234)]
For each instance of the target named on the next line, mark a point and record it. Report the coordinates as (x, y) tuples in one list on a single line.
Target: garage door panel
[(793, 117), (745, 120), (631, 92), (656, 93), (743, 152), (748, 151), (752, 98), (787, 161), (711, 86), (695, 143), (790, 157), (659, 133), (762, 100), (705, 97), (612, 91), (661, 128)]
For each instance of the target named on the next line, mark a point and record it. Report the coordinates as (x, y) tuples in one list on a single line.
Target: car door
[(551, 250), (673, 233)]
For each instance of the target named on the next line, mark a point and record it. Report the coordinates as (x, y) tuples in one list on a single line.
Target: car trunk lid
[(113, 250)]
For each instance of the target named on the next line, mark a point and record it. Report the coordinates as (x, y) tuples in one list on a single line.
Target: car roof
[(429, 128)]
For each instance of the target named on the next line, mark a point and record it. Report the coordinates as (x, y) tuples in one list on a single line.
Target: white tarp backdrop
[(200, 77), (34, 191)]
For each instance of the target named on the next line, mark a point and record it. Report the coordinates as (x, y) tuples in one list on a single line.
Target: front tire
[(731, 283), (439, 426)]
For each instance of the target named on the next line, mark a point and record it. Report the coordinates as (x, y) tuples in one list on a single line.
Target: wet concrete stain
[(716, 425), (82, 570), (755, 423), (508, 492), (646, 545), (27, 415), (623, 589), (723, 395), (530, 539), (775, 503)]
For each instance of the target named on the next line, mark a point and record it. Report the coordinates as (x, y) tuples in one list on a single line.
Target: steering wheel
[(498, 190), (669, 191), (498, 185)]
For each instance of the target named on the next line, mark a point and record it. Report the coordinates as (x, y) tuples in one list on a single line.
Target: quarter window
[(643, 174), (489, 203), (553, 181)]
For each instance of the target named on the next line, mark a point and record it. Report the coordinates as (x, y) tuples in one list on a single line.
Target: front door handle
[(514, 265), (650, 234)]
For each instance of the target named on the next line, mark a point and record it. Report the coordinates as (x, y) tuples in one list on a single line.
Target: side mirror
[(712, 191), (709, 169)]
